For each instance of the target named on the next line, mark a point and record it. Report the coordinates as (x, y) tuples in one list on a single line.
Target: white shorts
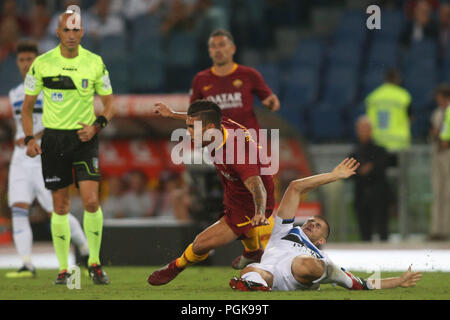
[(278, 256), (26, 183)]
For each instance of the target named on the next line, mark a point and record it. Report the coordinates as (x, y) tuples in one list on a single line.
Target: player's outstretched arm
[(406, 280), (163, 110), (291, 198)]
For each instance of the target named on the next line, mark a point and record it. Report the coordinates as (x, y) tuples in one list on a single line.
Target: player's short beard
[(222, 63)]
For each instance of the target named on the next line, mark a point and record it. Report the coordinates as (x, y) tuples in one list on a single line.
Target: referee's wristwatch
[(100, 123), (27, 139)]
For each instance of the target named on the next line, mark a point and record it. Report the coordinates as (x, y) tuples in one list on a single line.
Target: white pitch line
[(391, 260), (355, 260), (40, 261)]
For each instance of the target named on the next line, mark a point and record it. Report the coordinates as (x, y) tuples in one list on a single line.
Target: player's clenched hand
[(87, 132), (346, 168), (33, 148), (162, 109), (409, 278), (259, 220), (272, 103)]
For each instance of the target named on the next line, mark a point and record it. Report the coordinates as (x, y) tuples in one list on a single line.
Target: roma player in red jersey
[(230, 85), (248, 198), (233, 87)]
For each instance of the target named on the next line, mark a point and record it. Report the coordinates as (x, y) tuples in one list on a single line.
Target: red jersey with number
[(234, 92), (236, 167)]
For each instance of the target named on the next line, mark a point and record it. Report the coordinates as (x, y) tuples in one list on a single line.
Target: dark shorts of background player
[(240, 221), (65, 157)]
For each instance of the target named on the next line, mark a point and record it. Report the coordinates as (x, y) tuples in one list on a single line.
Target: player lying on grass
[(292, 260)]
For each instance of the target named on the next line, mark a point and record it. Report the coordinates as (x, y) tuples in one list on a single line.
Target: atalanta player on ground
[(292, 260), (248, 194)]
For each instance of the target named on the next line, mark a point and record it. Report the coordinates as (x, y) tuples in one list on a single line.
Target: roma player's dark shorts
[(65, 157), (240, 220)]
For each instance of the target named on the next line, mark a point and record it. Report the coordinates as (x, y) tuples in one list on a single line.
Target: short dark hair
[(208, 111), (222, 32), (392, 75), (444, 90), (326, 223), (27, 46)]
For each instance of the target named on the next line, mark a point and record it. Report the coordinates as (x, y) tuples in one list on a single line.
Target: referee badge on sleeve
[(30, 83), (106, 82)]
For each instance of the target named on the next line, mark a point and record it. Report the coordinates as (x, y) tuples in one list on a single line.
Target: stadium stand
[(337, 69)]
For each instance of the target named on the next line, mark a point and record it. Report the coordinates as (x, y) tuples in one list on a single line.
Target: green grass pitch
[(202, 283)]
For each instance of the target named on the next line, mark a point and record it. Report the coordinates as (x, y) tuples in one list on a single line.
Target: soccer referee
[(69, 76)]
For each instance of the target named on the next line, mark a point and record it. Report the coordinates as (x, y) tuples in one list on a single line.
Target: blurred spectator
[(444, 25), (39, 19), (440, 169), (112, 204), (9, 12), (421, 26), (102, 22), (371, 185), (410, 5), (390, 4), (12, 27), (138, 201), (39, 16), (208, 18), (178, 15), (135, 8), (9, 35), (389, 111), (174, 200)]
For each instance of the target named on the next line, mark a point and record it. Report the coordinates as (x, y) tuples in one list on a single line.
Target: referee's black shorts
[(65, 156)]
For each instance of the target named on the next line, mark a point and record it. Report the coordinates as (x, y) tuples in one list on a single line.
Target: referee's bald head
[(70, 30), (70, 19)]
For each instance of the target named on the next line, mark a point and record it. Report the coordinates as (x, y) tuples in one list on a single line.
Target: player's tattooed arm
[(256, 187)]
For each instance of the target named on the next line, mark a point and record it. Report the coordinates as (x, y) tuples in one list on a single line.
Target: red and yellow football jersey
[(234, 92), (232, 175)]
